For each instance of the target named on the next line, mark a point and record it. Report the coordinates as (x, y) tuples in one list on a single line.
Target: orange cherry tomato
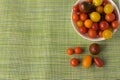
[(87, 61), (88, 23)]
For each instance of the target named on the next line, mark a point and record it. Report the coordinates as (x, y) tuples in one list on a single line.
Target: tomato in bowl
[(95, 20)]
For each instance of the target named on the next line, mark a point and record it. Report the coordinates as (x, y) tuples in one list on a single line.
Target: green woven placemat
[(34, 36)]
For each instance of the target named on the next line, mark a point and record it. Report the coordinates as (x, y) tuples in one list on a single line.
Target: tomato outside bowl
[(85, 36)]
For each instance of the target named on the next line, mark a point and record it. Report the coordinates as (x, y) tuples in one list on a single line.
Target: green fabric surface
[(34, 36)]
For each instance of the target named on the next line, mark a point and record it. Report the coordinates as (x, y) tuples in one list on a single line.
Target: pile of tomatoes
[(95, 18)]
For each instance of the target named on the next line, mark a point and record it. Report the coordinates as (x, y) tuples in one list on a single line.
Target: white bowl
[(84, 35)]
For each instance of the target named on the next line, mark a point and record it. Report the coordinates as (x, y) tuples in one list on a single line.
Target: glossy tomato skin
[(110, 17), (74, 62), (98, 61), (92, 33), (95, 26), (83, 16), (87, 61), (76, 8), (115, 24), (70, 51), (83, 30), (100, 33), (75, 17), (78, 50), (104, 25)]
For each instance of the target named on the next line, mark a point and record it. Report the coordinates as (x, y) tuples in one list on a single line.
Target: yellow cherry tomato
[(97, 2), (88, 23), (107, 34), (87, 61), (108, 8), (95, 16), (79, 23)]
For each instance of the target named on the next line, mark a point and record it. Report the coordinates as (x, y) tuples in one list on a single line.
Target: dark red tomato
[(76, 8), (92, 33), (74, 62), (105, 2), (75, 17), (98, 62), (83, 16), (104, 25), (78, 50), (95, 26), (83, 30), (110, 17), (115, 24), (70, 51)]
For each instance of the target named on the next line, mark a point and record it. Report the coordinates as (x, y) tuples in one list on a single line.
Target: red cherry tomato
[(110, 17), (115, 24), (105, 2), (70, 51), (100, 33), (74, 62), (76, 8), (75, 17), (95, 26), (83, 30), (83, 16), (78, 50), (104, 25), (92, 33)]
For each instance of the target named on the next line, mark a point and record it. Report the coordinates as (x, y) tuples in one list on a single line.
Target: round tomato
[(92, 33), (74, 62), (83, 30), (107, 34), (100, 33), (99, 9), (75, 17), (115, 24), (70, 51), (110, 17), (95, 26), (104, 25), (78, 50), (105, 2), (108, 8), (76, 8), (79, 23), (88, 23), (83, 16), (95, 16)]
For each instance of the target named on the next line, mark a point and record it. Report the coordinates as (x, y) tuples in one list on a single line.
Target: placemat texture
[(34, 36)]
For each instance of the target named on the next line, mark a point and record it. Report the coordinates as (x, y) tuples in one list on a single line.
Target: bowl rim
[(94, 39)]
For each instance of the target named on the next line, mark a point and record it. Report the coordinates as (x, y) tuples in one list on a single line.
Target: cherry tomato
[(99, 9), (100, 33), (110, 17), (74, 62), (95, 16), (92, 33), (88, 23), (76, 8), (78, 50), (87, 61), (83, 16), (104, 25), (98, 62), (79, 23), (107, 34), (97, 2), (75, 17), (83, 30), (108, 8), (115, 24), (105, 2), (95, 26), (70, 51)]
